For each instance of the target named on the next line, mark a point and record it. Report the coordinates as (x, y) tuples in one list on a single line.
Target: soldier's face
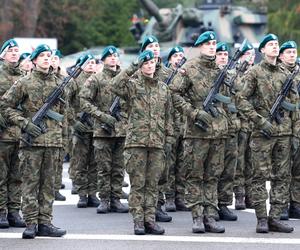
[(111, 60), (176, 58), (208, 48), (221, 57), (26, 65), (90, 67), (55, 62), (289, 56), (43, 60), (271, 49), (12, 55), (155, 48), (248, 55), (148, 68)]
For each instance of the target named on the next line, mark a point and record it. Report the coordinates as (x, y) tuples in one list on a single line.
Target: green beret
[(145, 56), (38, 50), (222, 46), (247, 46), (23, 56), (81, 60), (148, 40), (56, 52), (109, 50), (288, 45), (205, 37), (267, 38), (175, 50), (8, 44)]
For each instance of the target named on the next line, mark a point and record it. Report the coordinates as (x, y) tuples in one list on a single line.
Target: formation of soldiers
[(154, 121)]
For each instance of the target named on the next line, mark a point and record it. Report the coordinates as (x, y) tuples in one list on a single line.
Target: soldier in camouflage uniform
[(25, 64), (37, 159), (288, 57), (10, 172), (203, 148), (96, 99), (270, 154), (83, 160), (150, 129)]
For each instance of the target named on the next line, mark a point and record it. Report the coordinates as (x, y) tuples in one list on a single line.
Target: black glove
[(80, 127), (32, 129), (204, 117)]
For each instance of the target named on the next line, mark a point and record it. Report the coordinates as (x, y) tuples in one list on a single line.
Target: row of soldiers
[(169, 145)]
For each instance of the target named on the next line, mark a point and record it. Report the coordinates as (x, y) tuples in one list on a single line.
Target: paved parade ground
[(88, 230)]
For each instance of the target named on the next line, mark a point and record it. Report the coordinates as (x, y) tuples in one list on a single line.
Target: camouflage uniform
[(149, 127), (10, 174), (83, 161), (203, 151), (108, 149), (270, 157), (37, 162)]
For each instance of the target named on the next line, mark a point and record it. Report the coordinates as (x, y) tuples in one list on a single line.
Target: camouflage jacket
[(189, 92), (30, 92), (149, 102), (261, 87), (8, 75), (96, 96)]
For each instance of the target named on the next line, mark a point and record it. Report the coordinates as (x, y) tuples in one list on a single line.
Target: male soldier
[(288, 56), (225, 185), (83, 160), (36, 158), (149, 130), (25, 64), (204, 135), (96, 99), (10, 172), (270, 140), (175, 186)]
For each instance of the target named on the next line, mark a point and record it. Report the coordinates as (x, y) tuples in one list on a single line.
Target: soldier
[(288, 56), (225, 185), (96, 99), (270, 142), (37, 159), (25, 64), (175, 186), (10, 172), (203, 148), (149, 130), (83, 160)]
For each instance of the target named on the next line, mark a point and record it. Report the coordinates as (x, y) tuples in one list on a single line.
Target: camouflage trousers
[(144, 166), (38, 167), (110, 166), (244, 169), (59, 169), (295, 182), (271, 161), (69, 149), (10, 177), (226, 181), (83, 161), (205, 162)]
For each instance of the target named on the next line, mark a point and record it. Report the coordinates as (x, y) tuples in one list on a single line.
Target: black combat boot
[(117, 207), (74, 190), (248, 202), (262, 225), (226, 214), (50, 230), (82, 203), (180, 206), (59, 197), (62, 186), (103, 208), (124, 195), (212, 226), (139, 228), (285, 214), (30, 231), (125, 184), (3, 221), (15, 220), (240, 202), (198, 226), (170, 205), (161, 216), (153, 228), (93, 201), (294, 211), (276, 225)]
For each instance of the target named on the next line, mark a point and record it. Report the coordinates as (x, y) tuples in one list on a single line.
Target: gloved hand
[(3, 123), (80, 127), (204, 117), (295, 145), (108, 119), (32, 129), (267, 127)]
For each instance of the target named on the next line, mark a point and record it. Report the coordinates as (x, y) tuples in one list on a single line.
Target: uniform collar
[(108, 71), (208, 61), (11, 68)]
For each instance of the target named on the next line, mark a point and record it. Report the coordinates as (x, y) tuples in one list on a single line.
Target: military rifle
[(174, 72), (114, 111)]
